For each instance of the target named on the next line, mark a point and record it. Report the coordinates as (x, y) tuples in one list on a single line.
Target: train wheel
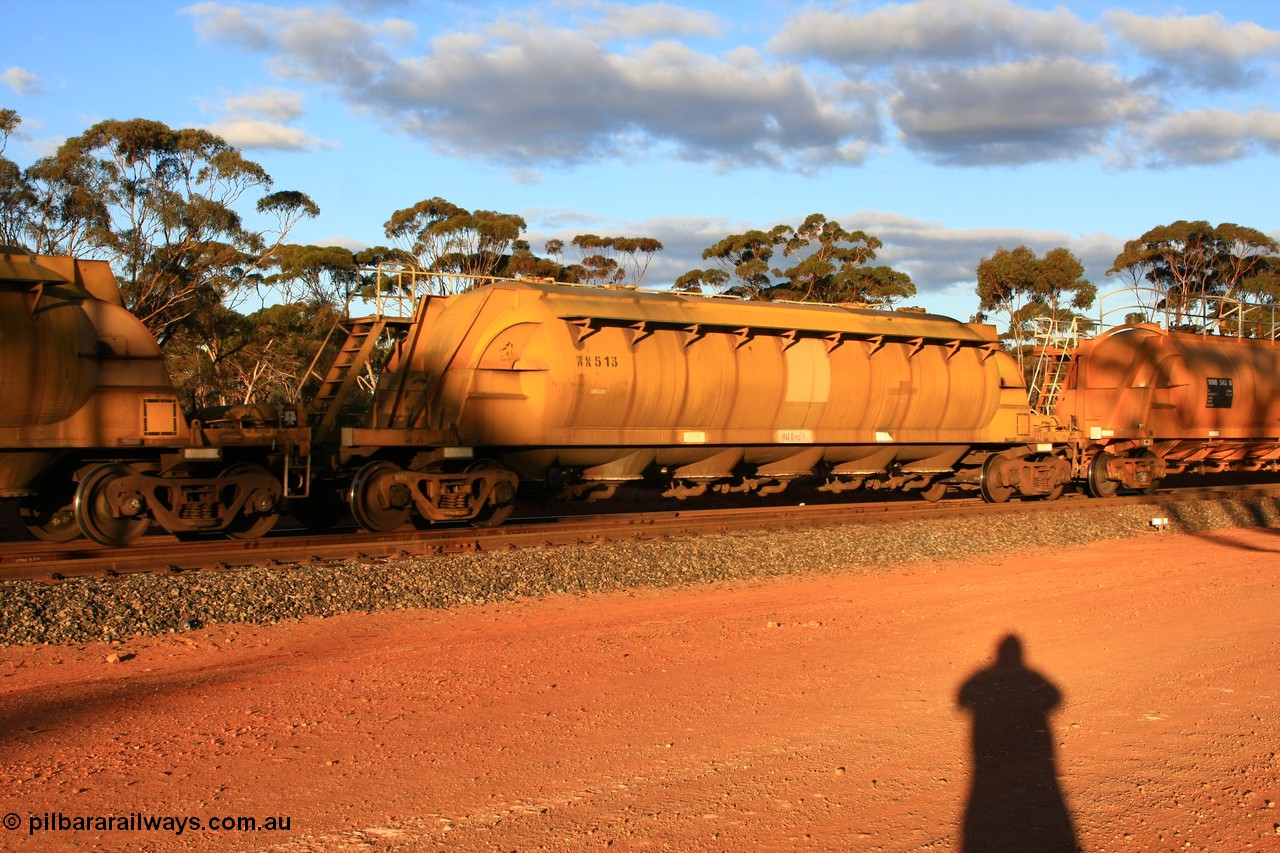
[(934, 492), (371, 506), (492, 515), (991, 485), (51, 514), (93, 508), (253, 525), (1097, 483)]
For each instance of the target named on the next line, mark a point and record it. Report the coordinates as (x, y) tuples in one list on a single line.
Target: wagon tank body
[(78, 370), (592, 387), (1178, 400), (92, 438)]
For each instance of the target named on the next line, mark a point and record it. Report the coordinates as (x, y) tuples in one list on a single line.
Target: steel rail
[(162, 553)]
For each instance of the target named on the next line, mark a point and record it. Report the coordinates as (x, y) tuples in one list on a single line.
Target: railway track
[(162, 553)]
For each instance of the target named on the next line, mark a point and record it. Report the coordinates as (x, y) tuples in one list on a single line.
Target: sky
[(945, 128)]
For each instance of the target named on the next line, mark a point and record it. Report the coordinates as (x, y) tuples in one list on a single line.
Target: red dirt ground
[(804, 713)]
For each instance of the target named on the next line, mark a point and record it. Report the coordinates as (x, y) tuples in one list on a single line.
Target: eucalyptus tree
[(314, 275), (745, 257), (523, 263), (612, 260), (596, 259), (161, 205), (442, 237), (695, 280), (9, 123), (50, 207), (828, 264), (637, 253), (1185, 262), (222, 358), (827, 261), (879, 285), (16, 196), (1022, 286)]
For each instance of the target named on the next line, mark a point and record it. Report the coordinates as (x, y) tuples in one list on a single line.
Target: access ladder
[(351, 369), (1056, 342)]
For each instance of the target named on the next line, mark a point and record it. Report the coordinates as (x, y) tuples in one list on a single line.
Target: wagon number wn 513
[(597, 361)]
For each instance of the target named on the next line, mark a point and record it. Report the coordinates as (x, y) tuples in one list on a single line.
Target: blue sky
[(947, 128)]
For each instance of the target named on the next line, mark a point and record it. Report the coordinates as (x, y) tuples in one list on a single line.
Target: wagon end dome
[(18, 267)]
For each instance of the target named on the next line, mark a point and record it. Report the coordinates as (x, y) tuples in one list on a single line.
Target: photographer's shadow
[(1015, 802)]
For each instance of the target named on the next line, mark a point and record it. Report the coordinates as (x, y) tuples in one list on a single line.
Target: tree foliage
[(827, 261), (695, 280), (745, 257), (220, 357), (828, 264), (16, 196), (1185, 262), (9, 123), (314, 275), (879, 285), (160, 205), (523, 263), (224, 358), (51, 207), (1023, 286), (614, 260), (442, 237), (597, 263)]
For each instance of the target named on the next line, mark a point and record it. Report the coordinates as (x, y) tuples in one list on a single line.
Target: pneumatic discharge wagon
[(519, 387)]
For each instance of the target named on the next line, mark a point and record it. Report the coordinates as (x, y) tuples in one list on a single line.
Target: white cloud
[(936, 30), (372, 6), (244, 26), (1171, 34), (1203, 49), (1214, 136), (251, 133), (22, 81), (557, 219), (649, 20), (1017, 113), (525, 177), (967, 82), (275, 104), (261, 120), (531, 93), (337, 46), (349, 243)]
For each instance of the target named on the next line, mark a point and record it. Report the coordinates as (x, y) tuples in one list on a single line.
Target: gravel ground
[(115, 609)]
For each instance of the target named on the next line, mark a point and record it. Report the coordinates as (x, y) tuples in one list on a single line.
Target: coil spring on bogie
[(198, 511), (454, 499)]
